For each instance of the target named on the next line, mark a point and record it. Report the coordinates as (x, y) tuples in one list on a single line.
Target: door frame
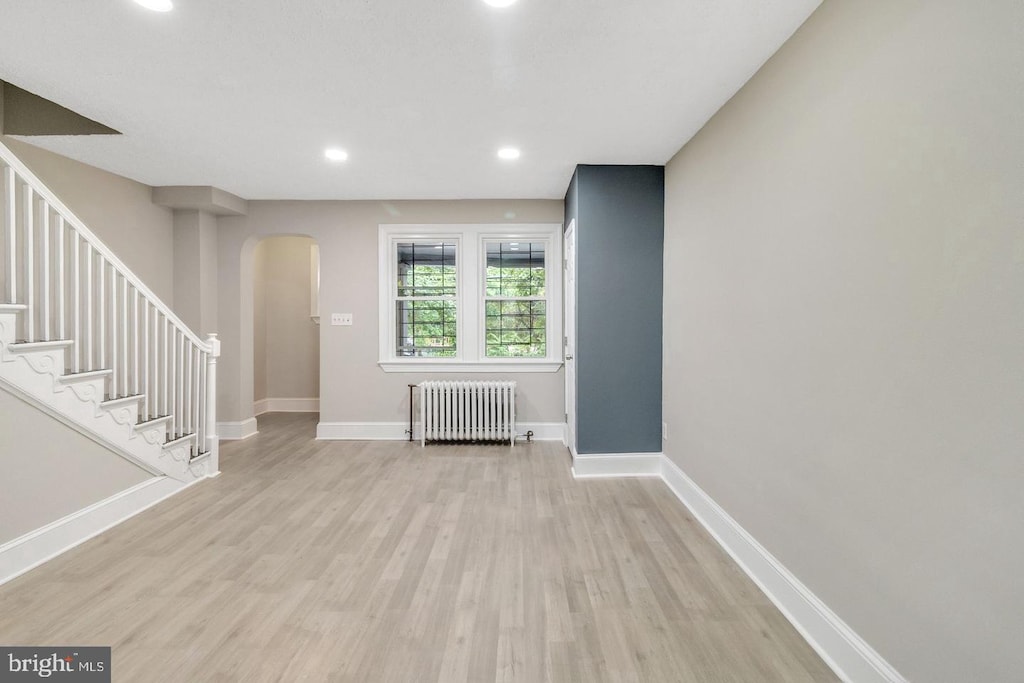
[(569, 330)]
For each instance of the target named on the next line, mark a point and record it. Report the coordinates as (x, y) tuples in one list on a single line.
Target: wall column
[(197, 277), (195, 269), (196, 212)]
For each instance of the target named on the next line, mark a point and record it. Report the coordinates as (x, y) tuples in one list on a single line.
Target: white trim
[(36, 547), (236, 431), (362, 431), (422, 365), (396, 431), (568, 341), (542, 431), (849, 656), (286, 405), (314, 282), (598, 465)]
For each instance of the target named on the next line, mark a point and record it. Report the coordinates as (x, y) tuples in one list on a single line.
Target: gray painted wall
[(259, 321), (844, 300), (353, 388), (195, 272), (619, 213), (50, 470)]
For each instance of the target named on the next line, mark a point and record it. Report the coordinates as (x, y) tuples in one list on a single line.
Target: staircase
[(82, 337)]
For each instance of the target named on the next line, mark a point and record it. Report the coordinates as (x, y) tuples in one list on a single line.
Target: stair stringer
[(37, 371)]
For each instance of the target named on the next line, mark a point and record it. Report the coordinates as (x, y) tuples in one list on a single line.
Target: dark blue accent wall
[(620, 223)]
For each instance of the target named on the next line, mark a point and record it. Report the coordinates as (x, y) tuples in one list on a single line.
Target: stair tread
[(85, 374), (153, 420), (22, 345), (120, 399), (179, 438)]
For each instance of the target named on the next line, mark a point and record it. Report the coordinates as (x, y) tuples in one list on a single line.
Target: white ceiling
[(246, 94)]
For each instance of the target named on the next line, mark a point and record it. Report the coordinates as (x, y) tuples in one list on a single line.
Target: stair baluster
[(30, 257), (11, 218), (64, 287), (44, 233), (76, 302)]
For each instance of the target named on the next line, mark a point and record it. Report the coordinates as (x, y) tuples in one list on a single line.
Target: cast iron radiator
[(468, 411)]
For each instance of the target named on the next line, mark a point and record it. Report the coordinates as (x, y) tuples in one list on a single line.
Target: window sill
[(444, 365)]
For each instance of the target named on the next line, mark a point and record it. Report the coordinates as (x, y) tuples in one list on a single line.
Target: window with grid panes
[(470, 297), (426, 299), (515, 303)]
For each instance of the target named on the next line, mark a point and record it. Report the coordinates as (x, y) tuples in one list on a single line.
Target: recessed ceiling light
[(335, 154), (500, 3), (508, 153), (157, 5)]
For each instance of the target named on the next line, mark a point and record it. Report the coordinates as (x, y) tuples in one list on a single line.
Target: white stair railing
[(75, 288)]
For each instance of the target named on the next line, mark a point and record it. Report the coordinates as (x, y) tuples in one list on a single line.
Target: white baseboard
[(286, 405), (362, 431), (591, 466), (843, 650), (235, 431), (543, 431), (36, 547), (396, 431)]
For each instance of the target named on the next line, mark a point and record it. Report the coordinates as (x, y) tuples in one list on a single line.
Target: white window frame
[(471, 263)]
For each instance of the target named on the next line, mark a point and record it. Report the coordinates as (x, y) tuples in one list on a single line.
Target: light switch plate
[(341, 318)]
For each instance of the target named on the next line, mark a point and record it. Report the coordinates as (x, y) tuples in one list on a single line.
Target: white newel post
[(212, 441)]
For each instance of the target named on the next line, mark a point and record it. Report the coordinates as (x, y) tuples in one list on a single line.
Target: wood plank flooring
[(384, 561)]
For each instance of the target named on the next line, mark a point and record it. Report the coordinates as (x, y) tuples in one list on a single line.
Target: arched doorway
[(286, 332)]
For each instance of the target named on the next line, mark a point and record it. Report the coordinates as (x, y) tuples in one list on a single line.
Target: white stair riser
[(154, 431), (8, 326), (91, 389)]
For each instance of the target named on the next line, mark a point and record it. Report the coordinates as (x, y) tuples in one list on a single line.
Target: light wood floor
[(383, 561)]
